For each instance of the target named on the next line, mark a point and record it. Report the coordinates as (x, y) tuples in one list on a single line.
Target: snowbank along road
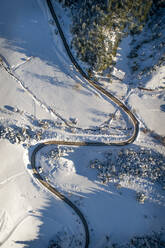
[(68, 143)]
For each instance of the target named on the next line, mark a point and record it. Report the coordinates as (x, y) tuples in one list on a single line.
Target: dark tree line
[(98, 27)]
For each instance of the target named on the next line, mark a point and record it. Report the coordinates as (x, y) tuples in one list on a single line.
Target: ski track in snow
[(34, 97), (15, 67), (12, 177), (3, 220)]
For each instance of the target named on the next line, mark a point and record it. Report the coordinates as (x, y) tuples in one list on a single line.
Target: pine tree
[(96, 22)]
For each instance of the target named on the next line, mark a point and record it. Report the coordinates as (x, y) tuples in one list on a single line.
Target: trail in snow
[(17, 224), (12, 177)]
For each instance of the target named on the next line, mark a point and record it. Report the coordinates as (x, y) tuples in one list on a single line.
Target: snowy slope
[(41, 92)]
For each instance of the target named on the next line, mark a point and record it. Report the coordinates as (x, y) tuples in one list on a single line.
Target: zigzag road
[(41, 145)]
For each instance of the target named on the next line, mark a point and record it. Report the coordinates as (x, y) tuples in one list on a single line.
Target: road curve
[(70, 143)]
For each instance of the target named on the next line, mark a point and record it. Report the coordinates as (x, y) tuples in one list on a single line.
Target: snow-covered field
[(120, 190)]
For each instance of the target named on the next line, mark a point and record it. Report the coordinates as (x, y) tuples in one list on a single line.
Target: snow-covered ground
[(43, 97)]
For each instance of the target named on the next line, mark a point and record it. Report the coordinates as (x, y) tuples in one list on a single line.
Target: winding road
[(69, 143)]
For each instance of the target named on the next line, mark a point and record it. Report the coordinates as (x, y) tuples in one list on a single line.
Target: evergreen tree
[(98, 26)]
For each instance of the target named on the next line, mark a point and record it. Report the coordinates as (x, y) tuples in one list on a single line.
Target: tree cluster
[(98, 27)]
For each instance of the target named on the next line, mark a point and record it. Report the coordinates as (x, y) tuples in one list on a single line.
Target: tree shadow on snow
[(28, 33), (106, 208)]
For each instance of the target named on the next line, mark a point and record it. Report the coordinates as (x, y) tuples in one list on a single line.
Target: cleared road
[(56, 142)]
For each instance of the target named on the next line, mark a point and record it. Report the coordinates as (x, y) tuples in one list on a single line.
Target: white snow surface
[(43, 84)]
